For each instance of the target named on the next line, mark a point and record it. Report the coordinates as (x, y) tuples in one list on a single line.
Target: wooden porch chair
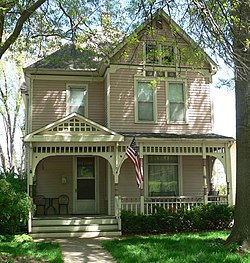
[(63, 200), (40, 201)]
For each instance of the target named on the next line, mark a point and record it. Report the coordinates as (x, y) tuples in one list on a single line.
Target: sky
[(223, 100)]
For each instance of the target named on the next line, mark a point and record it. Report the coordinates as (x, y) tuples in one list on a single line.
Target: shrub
[(203, 217), (14, 203)]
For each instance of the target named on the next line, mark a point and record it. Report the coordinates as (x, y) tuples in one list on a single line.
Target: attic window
[(158, 23), (151, 53), (159, 54)]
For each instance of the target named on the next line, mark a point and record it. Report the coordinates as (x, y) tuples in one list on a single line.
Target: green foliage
[(15, 204), (21, 248), (204, 217)]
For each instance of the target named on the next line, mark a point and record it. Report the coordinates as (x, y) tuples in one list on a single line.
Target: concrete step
[(82, 227), (77, 234), (74, 228), (72, 221)]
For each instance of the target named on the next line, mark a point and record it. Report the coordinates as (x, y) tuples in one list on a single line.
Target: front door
[(85, 186)]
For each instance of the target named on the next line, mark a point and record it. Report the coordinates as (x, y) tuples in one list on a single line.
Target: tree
[(11, 118), (39, 26), (222, 27)]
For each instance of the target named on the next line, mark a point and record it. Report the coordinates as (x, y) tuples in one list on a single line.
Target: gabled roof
[(69, 58), (73, 128)]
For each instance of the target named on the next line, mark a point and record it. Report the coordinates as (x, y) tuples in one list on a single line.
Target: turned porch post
[(204, 165)]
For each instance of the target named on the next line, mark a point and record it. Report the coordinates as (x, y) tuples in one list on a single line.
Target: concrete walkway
[(82, 250)]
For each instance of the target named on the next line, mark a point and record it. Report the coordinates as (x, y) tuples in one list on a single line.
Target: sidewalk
[(83, 250)]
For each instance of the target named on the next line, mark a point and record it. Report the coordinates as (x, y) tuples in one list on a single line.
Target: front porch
[(87, 162)]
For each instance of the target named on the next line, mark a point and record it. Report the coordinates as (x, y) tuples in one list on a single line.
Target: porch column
[(117, 202), (204, 165), (142, 197), (30, 184)]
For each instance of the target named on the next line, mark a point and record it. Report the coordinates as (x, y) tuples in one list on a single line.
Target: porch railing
[(172, 203)]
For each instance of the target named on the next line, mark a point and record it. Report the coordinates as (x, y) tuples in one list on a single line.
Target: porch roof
[(74, 128), (181, 136)]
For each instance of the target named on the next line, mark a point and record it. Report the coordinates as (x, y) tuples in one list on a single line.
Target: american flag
[(135, 158)]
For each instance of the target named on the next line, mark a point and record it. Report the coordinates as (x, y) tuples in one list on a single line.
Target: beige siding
[(122, 112), (49, 178), (127, 182), (49, 101), (192, 175)]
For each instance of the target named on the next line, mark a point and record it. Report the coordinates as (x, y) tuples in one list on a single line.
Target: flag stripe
[(135, 158)]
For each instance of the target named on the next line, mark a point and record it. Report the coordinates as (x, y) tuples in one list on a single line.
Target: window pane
[(145, 97), (163, 180), (177, 112), (167, 55), (145, 91), (151, 53), (163, 159), (145, 111), (176, 93), (85, 167), (77, 100)]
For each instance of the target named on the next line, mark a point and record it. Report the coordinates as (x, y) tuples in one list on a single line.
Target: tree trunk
[(241, 229)]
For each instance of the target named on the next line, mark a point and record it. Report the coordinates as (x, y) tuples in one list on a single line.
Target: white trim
[(146, 80), (185, 90), (69, 86)]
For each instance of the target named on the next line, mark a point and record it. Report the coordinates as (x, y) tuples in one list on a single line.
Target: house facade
[(80, 120)]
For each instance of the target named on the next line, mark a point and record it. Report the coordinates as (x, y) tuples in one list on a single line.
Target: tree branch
[(19, 25)]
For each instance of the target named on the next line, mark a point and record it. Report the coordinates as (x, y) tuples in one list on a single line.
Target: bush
[(203, 217), (15, 204)]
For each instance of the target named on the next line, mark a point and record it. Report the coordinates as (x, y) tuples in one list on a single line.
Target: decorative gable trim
[(73, 128)]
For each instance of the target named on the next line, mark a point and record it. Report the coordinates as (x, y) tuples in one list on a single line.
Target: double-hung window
[(77, 99), (145, 97), (176, 102), (163, 177)]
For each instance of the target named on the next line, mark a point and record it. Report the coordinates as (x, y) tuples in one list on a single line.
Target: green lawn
[(204, 247), (13, 249)]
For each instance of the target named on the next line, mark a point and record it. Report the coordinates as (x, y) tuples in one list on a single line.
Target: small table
[(51, 204)]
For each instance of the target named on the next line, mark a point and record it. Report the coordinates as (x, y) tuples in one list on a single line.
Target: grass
[(14, 249), (204, 247)]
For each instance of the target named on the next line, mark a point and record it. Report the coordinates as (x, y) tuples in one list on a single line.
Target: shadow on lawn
[(181, 248)]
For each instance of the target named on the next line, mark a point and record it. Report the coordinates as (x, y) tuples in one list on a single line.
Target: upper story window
[(159, 54), (176, 102), (77, 99), (163, 175), (145, 101)]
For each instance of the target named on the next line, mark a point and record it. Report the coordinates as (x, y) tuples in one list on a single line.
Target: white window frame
[(147, 80), (146, 175), (69, 86), (184, 82)]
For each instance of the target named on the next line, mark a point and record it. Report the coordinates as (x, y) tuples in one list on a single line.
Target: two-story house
[(82, 114)]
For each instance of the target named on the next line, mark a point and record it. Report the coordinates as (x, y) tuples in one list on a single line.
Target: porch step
[(83, 227)]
